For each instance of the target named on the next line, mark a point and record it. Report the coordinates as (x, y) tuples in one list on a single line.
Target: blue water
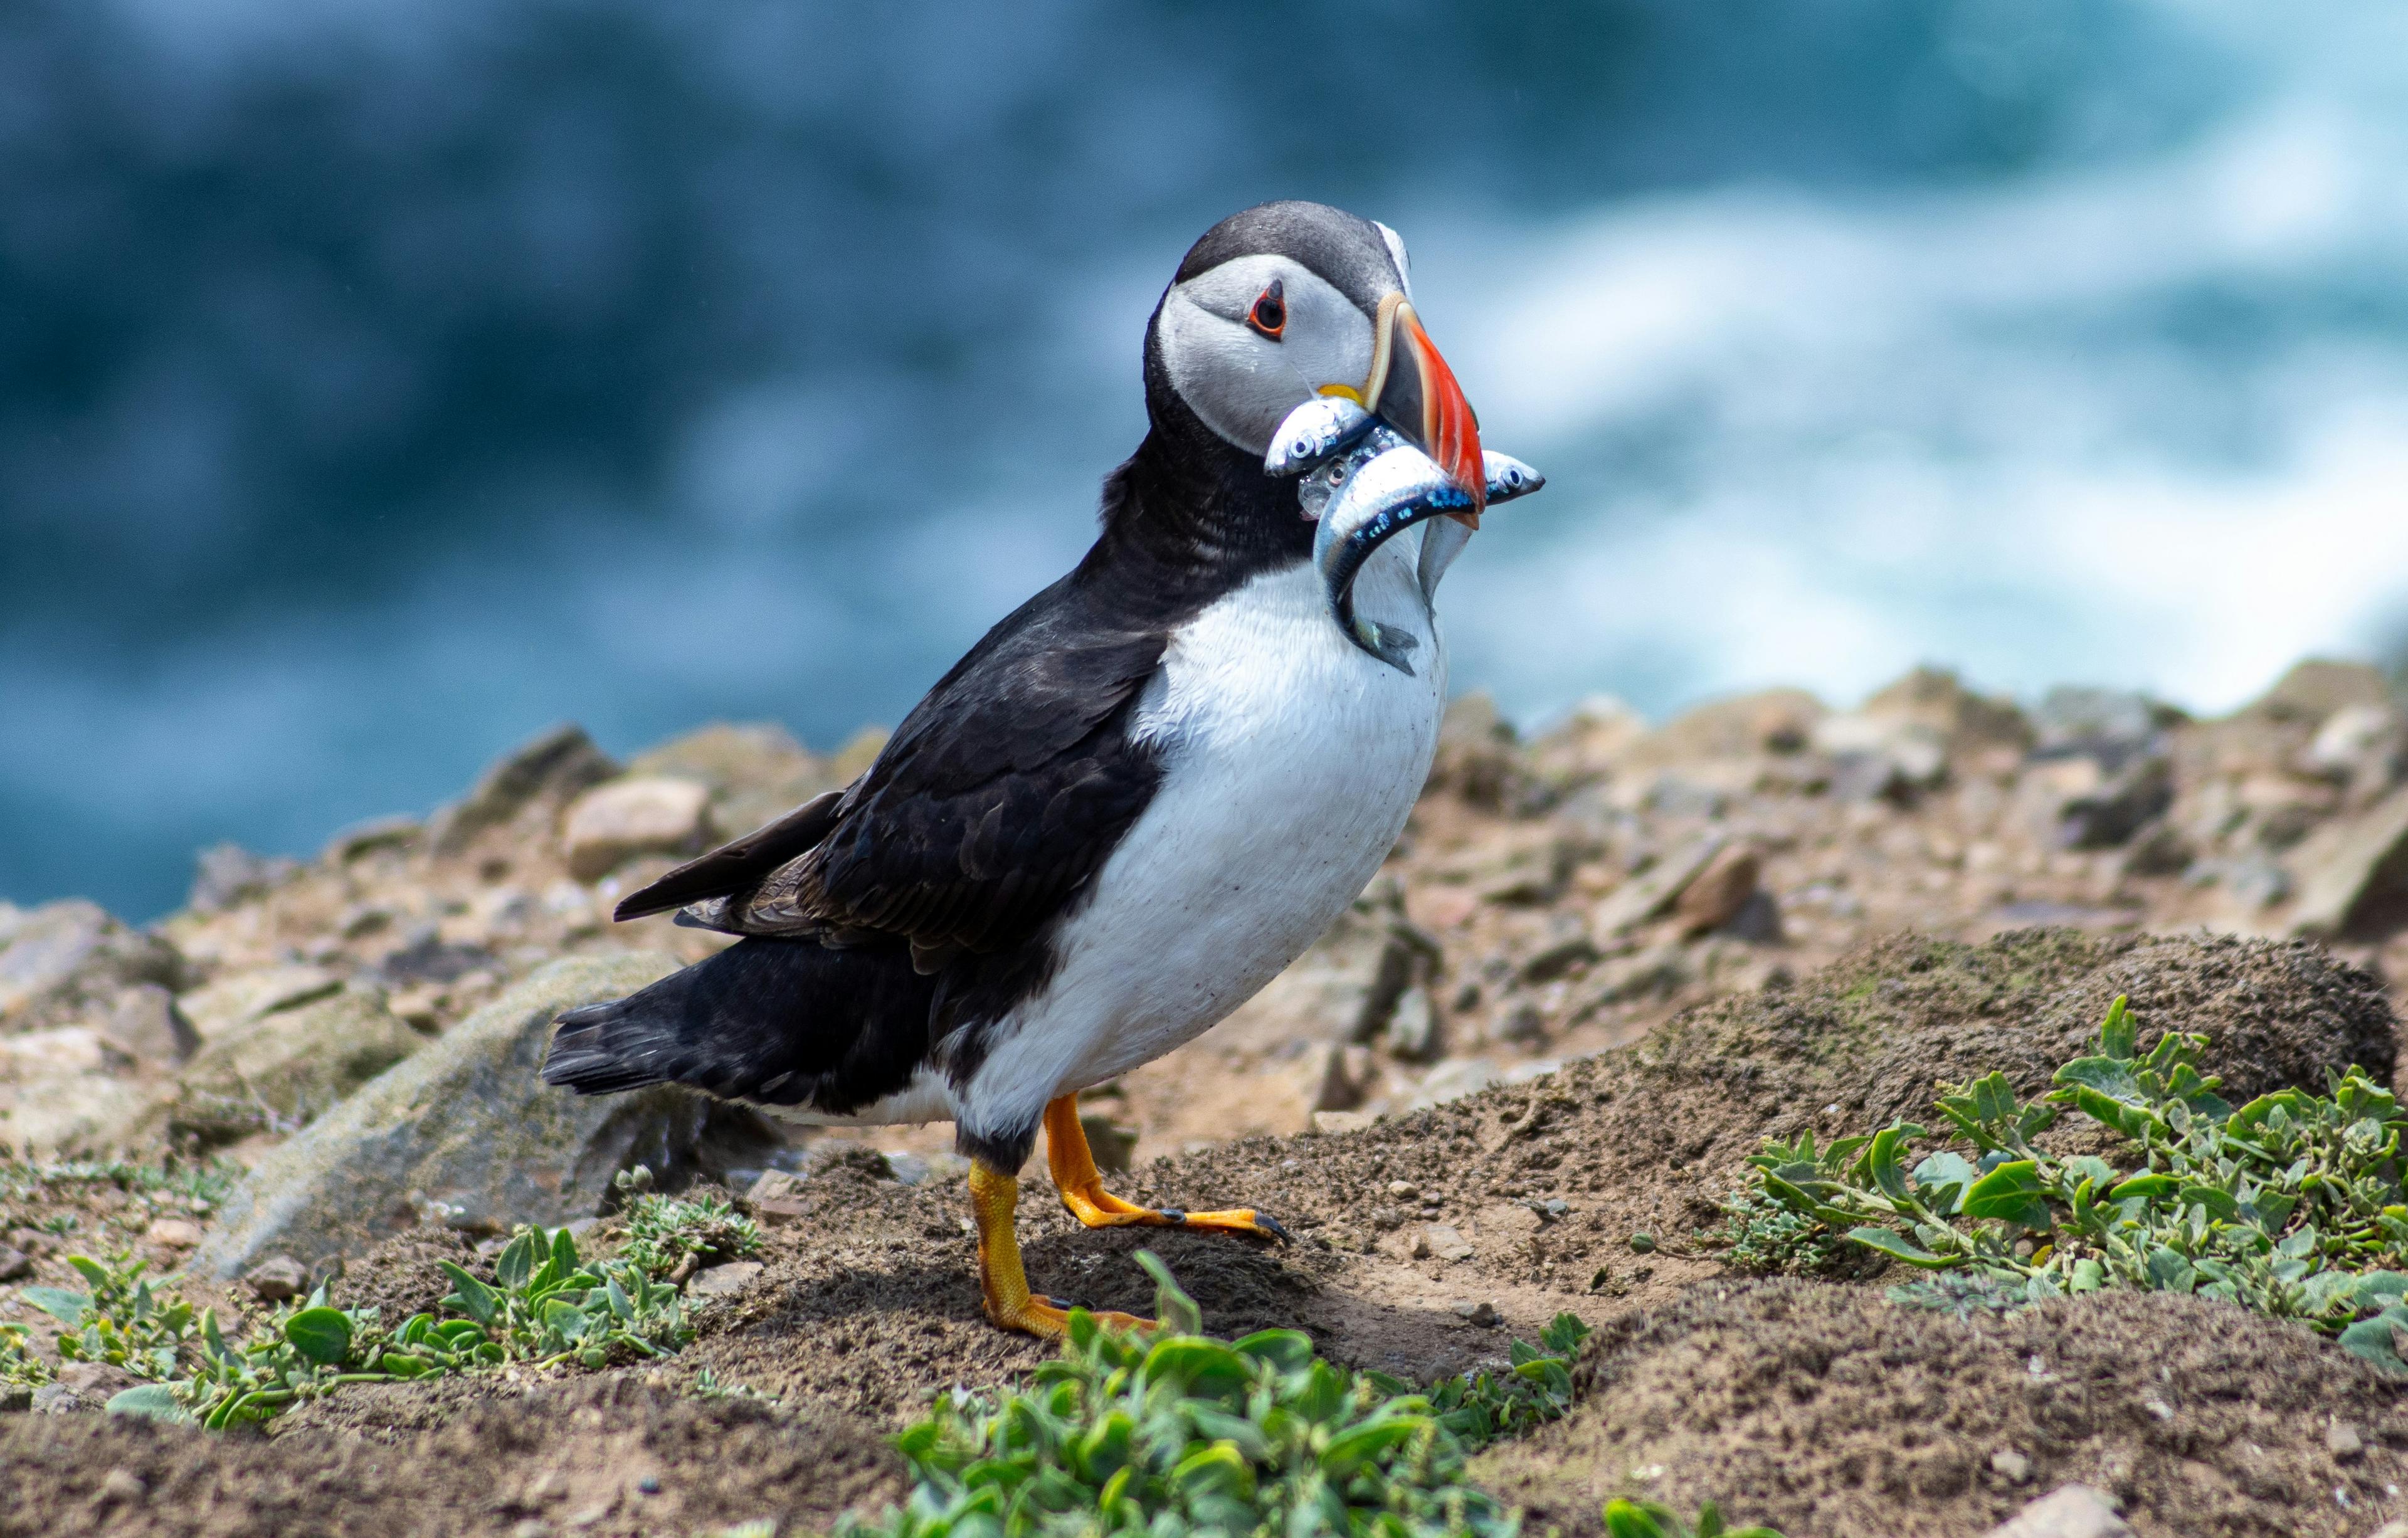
[(379, 384)]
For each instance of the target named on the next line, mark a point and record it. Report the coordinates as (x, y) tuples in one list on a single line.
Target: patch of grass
[(546, 1306), (1647, 1520), (206, 1181), (672, 1236), (1169, 1432), (2291, 1206)]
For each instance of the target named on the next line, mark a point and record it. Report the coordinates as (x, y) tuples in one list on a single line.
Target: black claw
[(1277, 1230), (1175, 1215)]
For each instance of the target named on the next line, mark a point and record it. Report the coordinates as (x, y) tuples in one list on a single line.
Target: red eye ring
[(1270, 314)]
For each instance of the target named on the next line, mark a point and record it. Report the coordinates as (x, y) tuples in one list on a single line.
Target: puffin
[(1131, 804)]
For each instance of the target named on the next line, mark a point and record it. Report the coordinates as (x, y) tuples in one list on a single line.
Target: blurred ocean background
[(380, 384)]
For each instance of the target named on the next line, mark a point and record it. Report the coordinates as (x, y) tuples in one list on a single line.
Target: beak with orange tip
[(1412, 390)]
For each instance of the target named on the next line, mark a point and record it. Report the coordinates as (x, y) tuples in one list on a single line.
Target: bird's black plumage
[(890, 928)]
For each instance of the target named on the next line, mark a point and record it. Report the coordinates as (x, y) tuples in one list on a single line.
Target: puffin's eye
[(1270, 314)]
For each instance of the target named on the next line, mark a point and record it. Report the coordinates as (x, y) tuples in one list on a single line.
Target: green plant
[(1647, 1520), (546, 1306), (1762, 1237), (670, 1236), (1535, 1390), (2291, 1206), (1171, 1432), (121, 1321), (19, 1367)]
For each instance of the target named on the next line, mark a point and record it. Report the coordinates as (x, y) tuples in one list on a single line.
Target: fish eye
[(1270, 314)]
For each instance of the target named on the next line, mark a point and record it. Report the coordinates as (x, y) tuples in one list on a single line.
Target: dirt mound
[(1649, 1140), (1829, 1412), (578, 1455)]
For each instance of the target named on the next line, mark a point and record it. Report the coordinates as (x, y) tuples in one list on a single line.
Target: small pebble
[(2159, 1408), (1404, 1190), (2011, 1465), (2343, 1441), (650, 1483), (123, 1485), (1483, 1314), (14, 1264), (275, 1279), (174, 1233)]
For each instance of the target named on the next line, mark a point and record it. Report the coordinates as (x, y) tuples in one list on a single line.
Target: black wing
[(993, 805)]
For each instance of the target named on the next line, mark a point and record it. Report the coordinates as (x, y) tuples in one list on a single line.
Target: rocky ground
[(325, 1069)]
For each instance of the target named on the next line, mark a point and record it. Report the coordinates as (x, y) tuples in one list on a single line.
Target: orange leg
[(1002, 1284), (1073, 1167)]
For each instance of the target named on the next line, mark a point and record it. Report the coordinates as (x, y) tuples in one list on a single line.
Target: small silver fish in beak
[(1395, 489), (1314, 431)]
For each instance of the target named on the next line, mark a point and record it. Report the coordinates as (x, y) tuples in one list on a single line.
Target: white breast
[(1292, 760)]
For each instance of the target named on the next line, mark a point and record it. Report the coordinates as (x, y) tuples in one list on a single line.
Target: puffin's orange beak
[(1412, 390)]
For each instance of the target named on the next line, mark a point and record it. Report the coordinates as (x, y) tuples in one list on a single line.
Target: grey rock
[(376, 833), (70, 957), (225, 873), (14, 1264), (1715, 895), (1578, 950), (275, 1279), (279, 1071), (1412, 1032), (2070, 1511), (146, 1024), (2134, 793), (2158, 849), (1345, 985), (1482, 1313), (559, 763), (2348, 865), (1651, 892), (425, 957), (466, 1127), (2110, 725), (2011, 1466), (83, 1388), (641, 814), (724, 1281)]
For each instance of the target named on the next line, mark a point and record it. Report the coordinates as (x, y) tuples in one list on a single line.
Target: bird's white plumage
[(1291, 761)]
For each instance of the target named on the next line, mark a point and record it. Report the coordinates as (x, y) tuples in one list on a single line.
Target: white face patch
[(1397, 254), (1242, 382)]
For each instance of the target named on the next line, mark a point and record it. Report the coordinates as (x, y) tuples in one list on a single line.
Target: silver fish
[(1397, 488), (1314, 431), (1316, 490), (1443, 539)]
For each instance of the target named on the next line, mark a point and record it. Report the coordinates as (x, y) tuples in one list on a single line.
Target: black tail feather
[(773, 1021)]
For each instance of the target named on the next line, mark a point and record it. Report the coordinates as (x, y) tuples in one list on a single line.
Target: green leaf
[(2117, 1037), (1646, 1519), (1882, 1164), (1173, 1310), (1899, 1247), (68, 1309), (151, 1401), (2145, 1185), (516, 1262), (321, 1335), (2218, 1202), (2012, 1193), (2376, 1340), (470, 1296)]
